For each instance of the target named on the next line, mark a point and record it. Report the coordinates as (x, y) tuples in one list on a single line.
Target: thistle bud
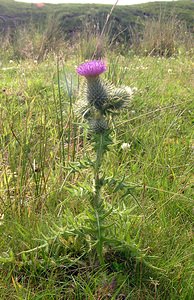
[(99, 95), (99, 125)]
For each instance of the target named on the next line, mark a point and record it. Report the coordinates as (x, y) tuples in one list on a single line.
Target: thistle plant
[(99, 99)]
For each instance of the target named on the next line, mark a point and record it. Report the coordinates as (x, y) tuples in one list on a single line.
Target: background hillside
[(71, 17)]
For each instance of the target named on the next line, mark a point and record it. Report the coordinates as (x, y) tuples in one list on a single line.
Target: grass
[(163, 36), (46, 178)]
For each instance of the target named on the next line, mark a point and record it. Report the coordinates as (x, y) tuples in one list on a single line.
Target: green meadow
[(47, 248)]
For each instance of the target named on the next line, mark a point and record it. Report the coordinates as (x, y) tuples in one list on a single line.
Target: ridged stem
[(98, 163), (97, 202)]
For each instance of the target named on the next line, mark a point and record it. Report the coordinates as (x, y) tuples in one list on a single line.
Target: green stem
[(97, 194), (100, 240), (98, 163)]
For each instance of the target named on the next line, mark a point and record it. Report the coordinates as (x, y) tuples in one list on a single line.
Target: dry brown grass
[(163, 36)]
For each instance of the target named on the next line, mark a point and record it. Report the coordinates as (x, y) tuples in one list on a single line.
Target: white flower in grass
[(125, 146), (169, 71)]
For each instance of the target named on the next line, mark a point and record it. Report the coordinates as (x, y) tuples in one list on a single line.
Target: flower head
[(91, 68), (125, 146)]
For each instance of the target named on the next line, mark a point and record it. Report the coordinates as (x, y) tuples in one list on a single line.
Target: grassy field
[(105, 216), (46, 180)]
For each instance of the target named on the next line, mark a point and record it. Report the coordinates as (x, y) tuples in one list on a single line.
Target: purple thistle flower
[(91, 68)]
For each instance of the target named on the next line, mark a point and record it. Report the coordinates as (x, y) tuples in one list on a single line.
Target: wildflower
[(98, 96), (91, 68), (125, 146)]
